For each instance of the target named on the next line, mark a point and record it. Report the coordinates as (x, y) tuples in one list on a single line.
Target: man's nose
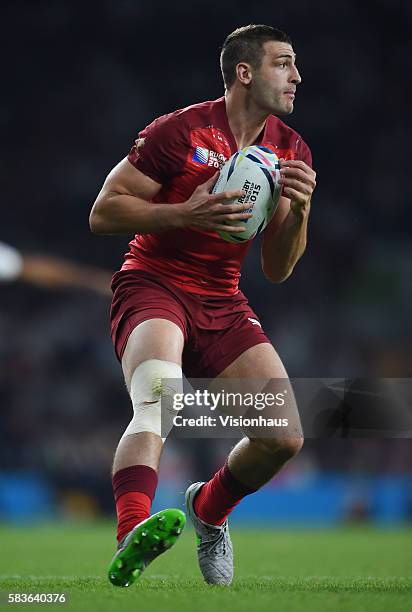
[(295, 77)]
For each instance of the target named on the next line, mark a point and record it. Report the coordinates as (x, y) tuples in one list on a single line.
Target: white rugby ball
[(256, 170)]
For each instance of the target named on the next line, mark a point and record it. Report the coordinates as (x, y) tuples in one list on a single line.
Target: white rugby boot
[(214, 546)]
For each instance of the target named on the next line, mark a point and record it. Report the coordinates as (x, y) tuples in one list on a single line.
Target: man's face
[(273, 85)]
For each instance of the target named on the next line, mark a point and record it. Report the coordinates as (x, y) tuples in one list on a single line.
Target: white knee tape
[(153, 385)]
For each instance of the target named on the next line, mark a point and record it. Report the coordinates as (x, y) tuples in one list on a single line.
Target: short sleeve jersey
[(180, 151)]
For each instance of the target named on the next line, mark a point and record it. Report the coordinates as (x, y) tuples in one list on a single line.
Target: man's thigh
[(152, 339), (258, 362), (259, 372)]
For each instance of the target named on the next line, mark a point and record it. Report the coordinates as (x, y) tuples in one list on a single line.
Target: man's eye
[(282, 65)]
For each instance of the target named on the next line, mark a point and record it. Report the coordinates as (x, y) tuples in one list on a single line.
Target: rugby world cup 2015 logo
[(201, 155), (208, 157)]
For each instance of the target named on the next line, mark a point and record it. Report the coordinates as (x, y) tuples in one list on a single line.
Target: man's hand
[(210, 211), (299, 182)]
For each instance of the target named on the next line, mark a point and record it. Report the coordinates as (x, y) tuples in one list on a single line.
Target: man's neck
[(245, 120)]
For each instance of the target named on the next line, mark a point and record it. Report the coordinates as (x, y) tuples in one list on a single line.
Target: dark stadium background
[(79, 80)]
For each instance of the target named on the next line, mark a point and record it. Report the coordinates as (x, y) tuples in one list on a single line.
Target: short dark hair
[(246, 44)]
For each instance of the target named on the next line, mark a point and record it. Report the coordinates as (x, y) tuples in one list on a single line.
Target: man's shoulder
[(287, 140), (184, 141), (190, 115), (277, 128)]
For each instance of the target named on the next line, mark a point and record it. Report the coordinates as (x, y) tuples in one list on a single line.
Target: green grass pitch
[(353, 569)]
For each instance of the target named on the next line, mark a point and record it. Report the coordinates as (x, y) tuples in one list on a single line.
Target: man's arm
[(284, 241), (123, 206), (50, 271), (55, 273)]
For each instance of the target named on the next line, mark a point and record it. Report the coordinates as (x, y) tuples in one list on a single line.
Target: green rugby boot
[(144, 543)]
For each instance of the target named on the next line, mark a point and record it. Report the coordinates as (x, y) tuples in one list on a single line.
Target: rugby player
[(176, 302)]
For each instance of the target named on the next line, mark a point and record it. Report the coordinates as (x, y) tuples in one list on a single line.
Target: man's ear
[(244, 73)]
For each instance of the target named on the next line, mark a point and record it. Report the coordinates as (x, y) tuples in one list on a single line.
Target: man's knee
[(152, 389), (281, 448)]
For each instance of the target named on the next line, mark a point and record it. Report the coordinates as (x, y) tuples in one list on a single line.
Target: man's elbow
[(98, 220), (276, 276), (274, 273), (95, 223)]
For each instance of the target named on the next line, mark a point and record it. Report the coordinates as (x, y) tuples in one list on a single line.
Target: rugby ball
[(256, 170)]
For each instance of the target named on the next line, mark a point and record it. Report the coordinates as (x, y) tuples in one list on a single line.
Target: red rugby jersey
[(181, 150)]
